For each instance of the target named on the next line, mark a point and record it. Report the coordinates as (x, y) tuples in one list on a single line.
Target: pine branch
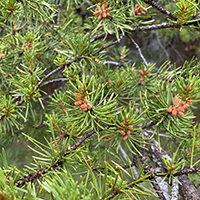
[(161, 9), (33, 176), (188, 170), (160, 190), (70, 62), (105, 90), (155, 152), (139, 50), (54, 80), (140, 28)]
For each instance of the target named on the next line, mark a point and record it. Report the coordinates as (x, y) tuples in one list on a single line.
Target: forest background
[(90, 90)]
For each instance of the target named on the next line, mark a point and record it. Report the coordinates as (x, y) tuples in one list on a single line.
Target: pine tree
[(84, 113)]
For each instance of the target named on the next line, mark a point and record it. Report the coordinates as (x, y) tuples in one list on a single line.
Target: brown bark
[(187, 190)]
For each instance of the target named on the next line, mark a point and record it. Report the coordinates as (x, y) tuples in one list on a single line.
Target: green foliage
[(186, 9), (62, 186), (70, 88)]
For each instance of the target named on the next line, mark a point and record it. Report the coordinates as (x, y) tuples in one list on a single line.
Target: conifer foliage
[(111, 127)]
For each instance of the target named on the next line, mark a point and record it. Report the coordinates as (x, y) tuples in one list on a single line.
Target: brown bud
[(143, 12), (181, 109), (123, 133), (181, 114), (128, 132), (170, 109), (108, 9), (125, 137), (29, 45), (182, 103), (122, 124), (2, 55), (24, 46), (84, 105), (98, 7), (141, 79), (176, 100), (186, 105), (136, 6), (78, 98), (100, 16), (97, 12), (78, 103), (174, 112), (104, 5), (104, 14), (83, 109)]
